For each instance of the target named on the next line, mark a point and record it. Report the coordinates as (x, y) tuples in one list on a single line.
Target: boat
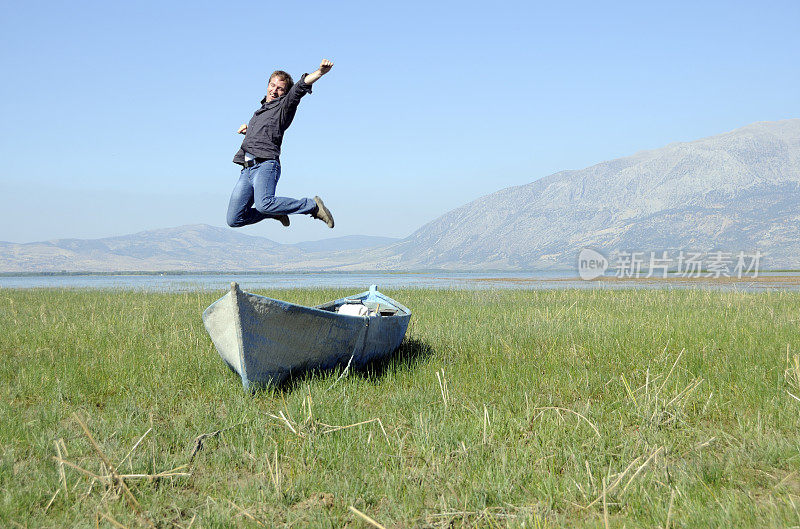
[(266, 340)]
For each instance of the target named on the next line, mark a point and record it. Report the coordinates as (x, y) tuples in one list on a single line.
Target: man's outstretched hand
[(325, 66), (242, 129)]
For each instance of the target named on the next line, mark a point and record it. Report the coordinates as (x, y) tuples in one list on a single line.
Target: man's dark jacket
[(265, 130)]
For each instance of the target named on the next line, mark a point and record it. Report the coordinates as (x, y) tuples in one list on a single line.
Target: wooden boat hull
[(265, 340)]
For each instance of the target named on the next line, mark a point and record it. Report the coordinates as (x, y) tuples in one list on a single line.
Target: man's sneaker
[(323, 213), (283, 219)]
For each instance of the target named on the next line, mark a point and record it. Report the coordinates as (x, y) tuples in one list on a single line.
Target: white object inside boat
[(353, 309)]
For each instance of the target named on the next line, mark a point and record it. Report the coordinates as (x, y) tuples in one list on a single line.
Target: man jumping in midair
[(253, 198)]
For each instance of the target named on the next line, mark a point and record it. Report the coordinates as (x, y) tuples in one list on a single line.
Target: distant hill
[(738, 191), (193, 247)]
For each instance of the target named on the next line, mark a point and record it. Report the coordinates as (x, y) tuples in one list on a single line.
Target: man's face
[(276, 88)]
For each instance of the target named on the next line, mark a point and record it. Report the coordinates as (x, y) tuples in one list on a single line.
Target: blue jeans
[(253, 198)]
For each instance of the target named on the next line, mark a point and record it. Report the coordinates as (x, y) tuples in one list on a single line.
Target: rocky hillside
[(737, 191)]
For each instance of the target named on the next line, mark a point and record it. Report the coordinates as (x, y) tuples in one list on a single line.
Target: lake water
[(386, 280)]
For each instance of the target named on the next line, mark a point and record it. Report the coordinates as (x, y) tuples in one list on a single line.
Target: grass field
[(512, 408)]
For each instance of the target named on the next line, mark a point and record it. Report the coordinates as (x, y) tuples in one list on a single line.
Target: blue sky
[(121, 117)]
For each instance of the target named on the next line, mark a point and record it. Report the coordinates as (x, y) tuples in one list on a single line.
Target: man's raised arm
[(324, 67)]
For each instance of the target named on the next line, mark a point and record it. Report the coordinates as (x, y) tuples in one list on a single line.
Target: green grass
[(677, 403)]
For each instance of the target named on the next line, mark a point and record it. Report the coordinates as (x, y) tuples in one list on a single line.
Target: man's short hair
[(282, 76)]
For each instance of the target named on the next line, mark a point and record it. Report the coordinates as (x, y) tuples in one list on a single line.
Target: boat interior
[(363, 305)]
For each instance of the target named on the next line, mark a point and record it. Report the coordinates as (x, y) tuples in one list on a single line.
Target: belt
[(254, 161)]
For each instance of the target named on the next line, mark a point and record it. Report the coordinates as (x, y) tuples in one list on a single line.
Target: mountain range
[(733, 192), (197, 247)]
